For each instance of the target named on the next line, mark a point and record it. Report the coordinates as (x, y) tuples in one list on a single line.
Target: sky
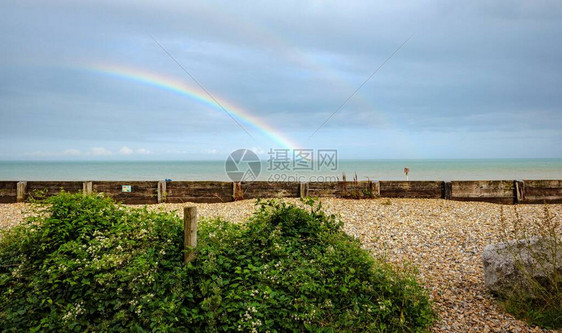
[(185, 80)]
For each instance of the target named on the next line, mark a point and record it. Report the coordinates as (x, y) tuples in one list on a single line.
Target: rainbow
[(182, 88), (270, 38)]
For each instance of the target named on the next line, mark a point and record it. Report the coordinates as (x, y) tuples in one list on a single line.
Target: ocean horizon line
[(379, 169), (223, 160)]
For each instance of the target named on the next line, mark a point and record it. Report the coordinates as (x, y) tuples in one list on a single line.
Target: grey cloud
[(472, 67)]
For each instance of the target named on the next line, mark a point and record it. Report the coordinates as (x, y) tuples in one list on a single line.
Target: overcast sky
[(87, 81)]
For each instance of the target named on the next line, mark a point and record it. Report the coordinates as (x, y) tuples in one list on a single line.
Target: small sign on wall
[(126, 188)]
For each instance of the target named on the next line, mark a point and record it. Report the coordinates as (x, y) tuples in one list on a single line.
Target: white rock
[(512, 265)]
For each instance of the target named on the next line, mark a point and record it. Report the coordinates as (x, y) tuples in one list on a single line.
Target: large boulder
[(513, 266)]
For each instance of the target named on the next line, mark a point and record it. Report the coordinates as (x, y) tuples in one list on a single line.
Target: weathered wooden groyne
[(152, 192)]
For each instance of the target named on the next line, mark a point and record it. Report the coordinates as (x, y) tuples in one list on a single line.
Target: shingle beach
[(443, 239)]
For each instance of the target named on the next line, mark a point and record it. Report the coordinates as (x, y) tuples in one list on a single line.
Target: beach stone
[(442, 238), (508, 266)]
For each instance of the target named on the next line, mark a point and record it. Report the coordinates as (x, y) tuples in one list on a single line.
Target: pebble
[(443, 239)]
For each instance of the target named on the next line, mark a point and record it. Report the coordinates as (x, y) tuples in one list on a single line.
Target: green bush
[(86, 264)]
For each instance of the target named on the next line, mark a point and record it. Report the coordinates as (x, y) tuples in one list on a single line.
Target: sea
[(419, 169)]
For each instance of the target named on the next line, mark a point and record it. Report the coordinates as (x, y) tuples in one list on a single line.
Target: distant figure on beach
[(406, 171)]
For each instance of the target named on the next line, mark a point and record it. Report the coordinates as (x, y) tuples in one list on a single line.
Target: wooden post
[(447, 190), (237, 193), (87, 188), (519, 191), (376, 189), (21, 189), (303, 189), (161, 191), (189, 232)]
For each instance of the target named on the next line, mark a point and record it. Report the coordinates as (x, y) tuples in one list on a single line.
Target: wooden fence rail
[(151, 192)]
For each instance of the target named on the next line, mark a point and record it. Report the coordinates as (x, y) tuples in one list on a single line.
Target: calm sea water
[(473, 169)]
